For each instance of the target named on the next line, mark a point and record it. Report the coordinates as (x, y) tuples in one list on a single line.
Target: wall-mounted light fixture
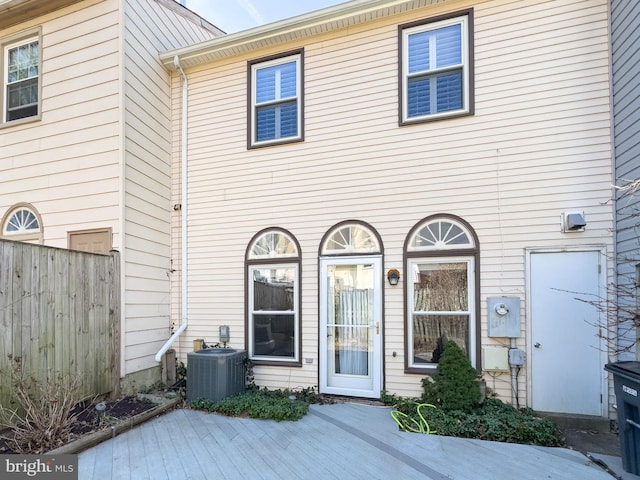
[(393, 276), (573, 221), (224, 334)]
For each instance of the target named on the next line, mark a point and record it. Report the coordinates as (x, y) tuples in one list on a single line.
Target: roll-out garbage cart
[(626, 381)]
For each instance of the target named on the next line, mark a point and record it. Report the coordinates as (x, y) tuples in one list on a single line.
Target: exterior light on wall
[(393, 276), (224, 334)]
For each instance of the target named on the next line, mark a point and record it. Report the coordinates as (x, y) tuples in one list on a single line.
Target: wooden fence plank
[(60, 312)]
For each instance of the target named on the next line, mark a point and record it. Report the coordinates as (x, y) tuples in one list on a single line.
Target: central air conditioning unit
[(215, 373)]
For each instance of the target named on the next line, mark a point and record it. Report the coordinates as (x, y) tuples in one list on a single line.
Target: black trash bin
[(626, 381)]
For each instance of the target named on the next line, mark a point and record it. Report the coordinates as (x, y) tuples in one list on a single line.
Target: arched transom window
[(272, 244), (440, 234), (273, 298), (350, 238), (442, 297), (22, 223)]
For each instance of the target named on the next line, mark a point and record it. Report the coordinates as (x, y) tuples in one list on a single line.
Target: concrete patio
[(333, 441)]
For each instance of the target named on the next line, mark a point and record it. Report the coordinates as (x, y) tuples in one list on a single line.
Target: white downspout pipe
[(183, 162)]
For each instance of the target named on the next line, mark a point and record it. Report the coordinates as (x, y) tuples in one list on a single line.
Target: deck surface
[(349, 440)]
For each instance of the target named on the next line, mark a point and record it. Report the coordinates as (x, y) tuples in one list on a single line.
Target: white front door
[(351, 326), (566, 355)]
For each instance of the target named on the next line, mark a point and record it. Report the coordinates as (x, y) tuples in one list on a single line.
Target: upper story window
[(273, 298), (22, 223), (276, 100), (21, 79), (436, 68)]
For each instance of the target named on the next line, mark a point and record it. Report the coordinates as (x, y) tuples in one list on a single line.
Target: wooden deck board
[(332, 441)]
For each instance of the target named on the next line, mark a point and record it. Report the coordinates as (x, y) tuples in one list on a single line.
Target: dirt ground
[(92, 417)]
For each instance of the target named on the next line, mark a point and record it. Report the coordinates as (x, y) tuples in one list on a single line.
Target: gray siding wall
[(625, 38)]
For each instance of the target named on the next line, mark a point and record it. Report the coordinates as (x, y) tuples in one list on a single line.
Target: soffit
[(345, 15), (13, 12)]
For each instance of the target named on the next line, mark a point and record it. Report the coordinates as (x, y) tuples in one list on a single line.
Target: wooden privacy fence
[(60, 312)]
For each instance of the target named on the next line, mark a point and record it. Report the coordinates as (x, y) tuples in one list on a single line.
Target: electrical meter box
[(503, 316)]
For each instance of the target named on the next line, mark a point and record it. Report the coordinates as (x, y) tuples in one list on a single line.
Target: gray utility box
[(626, 382), (215, 373)]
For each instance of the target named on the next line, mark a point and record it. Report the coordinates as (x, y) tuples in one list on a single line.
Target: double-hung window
[(21, 79), (436, 69), (276, 100)]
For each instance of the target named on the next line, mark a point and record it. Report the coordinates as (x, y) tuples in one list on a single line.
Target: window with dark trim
[(441, 257), (436, 68), (21, 78), (273, 298), (275, 102)]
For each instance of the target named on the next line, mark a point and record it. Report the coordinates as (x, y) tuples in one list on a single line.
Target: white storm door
[(567, 358), (351, 326)]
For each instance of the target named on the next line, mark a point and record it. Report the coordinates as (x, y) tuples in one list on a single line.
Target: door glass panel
[(350, 319)]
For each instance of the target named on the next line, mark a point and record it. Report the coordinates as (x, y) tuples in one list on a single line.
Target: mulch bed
[(89, 419)]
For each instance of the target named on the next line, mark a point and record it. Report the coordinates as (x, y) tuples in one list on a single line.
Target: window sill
[(435, 118), (427, 370), (272, 143), (276, 363), (21, 121)]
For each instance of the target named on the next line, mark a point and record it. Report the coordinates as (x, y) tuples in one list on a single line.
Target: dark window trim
[(20, 37), (247, 321), (468, 252), (401, 86), (250, 127)]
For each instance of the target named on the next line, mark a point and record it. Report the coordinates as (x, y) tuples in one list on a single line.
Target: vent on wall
[(215, 373), (573, 221)]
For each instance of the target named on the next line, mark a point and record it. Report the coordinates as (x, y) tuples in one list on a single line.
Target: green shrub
[(454, 386), (265, 404), (499, 422), (493, 420)]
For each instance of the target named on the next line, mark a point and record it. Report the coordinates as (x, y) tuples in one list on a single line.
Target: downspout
[(183, 169)]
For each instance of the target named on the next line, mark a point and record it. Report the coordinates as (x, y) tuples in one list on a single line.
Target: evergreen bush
[(455, 385)]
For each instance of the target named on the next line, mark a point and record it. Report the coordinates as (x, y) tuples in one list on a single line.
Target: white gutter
[(183, 162), (343, 15)]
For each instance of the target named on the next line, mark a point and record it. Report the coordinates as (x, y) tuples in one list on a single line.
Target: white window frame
[(470, 312), (6, 46), (253, 127), (406, 32), (253, 312)]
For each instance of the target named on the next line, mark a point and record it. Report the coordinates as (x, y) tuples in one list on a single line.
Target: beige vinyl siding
[(150, 27), (46, 162), (538, 144)]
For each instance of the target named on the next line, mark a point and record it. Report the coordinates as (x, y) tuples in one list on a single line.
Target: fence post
[(114, 321)]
